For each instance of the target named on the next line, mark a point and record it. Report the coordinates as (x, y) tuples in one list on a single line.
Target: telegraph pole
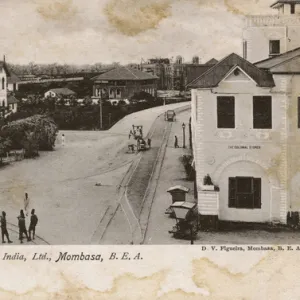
[(109, 119), (100, 106)]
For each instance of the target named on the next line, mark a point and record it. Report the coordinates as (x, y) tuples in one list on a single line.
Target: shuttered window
[(244, 192), (292, 8), (226, 112), (262, 112), (274, 47)]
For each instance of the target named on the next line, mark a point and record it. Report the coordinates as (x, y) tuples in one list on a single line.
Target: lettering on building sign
[(244, 147)]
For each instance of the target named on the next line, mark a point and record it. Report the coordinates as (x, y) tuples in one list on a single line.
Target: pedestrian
[(33, 223), (26, 204), (149, 143), (176, 142), (22, 227), (63, 139), (4, 231)]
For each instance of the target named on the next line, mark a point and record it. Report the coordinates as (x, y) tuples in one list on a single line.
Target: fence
[(13, 155)]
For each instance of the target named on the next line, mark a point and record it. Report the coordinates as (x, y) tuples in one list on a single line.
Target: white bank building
[(246, 132)]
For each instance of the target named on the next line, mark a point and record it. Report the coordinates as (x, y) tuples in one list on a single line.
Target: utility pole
[(100, 106), (109, 119)]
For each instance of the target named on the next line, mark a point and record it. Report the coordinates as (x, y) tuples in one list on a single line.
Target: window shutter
[(262, 112), (226, 112), (257, 192), (232, 192)]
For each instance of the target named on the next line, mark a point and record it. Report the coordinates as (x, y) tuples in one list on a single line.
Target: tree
[(5, 146), (32, 134), (142, 96), (87, 101)]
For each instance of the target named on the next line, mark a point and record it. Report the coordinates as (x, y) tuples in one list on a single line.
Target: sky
[(106, 31)]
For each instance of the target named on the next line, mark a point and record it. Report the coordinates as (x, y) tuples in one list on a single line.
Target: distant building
[(4, 74), (28, 77), (177, 73), (157, 67), (13, 82), (12, 103), (123, 83), (275, 34), (60, 92)]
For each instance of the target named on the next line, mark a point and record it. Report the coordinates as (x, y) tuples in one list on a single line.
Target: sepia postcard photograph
[(127, 124)]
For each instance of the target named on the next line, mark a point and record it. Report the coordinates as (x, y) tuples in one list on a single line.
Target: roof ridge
[(233, 60), (251, 64), (210, 69), (131, 72)]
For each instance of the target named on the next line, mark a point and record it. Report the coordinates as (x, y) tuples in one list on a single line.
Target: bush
[(34, 133), (187, 161)]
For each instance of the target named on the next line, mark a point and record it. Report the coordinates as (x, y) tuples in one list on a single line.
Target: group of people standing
[(21, 223)]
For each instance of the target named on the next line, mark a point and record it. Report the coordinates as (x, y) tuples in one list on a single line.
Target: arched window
[(3, 83)]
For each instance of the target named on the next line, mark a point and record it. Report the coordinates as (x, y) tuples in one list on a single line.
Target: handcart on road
[(186, 216)]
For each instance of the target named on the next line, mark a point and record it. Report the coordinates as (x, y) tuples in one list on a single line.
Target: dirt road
[(62, 184)]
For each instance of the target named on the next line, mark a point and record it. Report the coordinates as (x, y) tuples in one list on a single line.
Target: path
[(138, 190)]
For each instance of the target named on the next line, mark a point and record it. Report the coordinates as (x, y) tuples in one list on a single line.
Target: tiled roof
[(194, 71), (63, 91), (11, 99), (13, 78), (212, 61), (214, 75), (279, 59), (285, 2), (124, 73)]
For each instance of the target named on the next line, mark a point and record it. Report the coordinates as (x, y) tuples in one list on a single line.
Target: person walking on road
[(4, 231), (22, 227), (176, 142), (149, 143), (33, 223), (26, 204)]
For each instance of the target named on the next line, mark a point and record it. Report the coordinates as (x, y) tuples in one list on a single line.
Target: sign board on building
[(244, 147)]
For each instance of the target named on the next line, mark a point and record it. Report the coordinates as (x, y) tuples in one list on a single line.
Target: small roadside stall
[(186, 216), (178, 194)]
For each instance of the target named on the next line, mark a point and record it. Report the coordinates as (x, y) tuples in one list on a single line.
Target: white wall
[(265, 156)]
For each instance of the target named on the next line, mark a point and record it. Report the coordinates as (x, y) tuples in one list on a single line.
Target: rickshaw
[(141, 144), (186, 216), (137, 131), (170, 115)]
